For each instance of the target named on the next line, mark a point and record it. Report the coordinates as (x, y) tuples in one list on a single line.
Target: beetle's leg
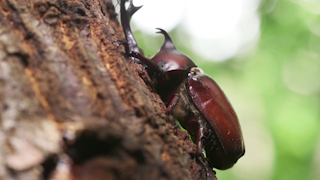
[(152, 68), (125, 22), (199, 151), (173, 102), (200, 138)]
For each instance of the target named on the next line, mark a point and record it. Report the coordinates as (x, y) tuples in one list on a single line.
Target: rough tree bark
[(73, 107)]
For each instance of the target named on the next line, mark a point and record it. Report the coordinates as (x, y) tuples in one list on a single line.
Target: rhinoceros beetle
[(191, 97)]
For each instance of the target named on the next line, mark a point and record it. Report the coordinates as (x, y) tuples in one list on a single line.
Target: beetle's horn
[(132, 9)]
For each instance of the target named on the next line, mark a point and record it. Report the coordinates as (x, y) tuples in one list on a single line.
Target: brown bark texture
[(73, 107)]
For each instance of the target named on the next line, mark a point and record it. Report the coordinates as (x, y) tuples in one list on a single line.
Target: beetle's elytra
[(192, 98)]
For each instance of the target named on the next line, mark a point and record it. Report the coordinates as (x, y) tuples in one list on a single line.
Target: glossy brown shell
[(216, 108), (171, 60)]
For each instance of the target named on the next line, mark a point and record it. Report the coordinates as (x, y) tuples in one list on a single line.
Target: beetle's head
[(175, 65), (169, 58)]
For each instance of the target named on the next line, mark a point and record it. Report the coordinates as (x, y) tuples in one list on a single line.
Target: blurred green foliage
[(276, 87), (293, 106)]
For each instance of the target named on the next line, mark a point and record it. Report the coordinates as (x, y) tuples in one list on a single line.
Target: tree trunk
[(73, 107)]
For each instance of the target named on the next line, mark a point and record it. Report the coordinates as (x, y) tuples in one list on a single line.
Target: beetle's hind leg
[(199, 151)]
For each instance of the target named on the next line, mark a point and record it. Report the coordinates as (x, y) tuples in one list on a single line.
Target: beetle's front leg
[(152, 68)]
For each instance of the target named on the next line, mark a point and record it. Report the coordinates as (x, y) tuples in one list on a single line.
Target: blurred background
[(265, 55)]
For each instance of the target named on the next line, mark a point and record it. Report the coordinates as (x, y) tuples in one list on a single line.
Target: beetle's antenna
[(168, 44)]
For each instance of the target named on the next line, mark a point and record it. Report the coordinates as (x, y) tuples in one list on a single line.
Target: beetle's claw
[(175, 124), (124, 43), (201, 159), (120, 42)]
